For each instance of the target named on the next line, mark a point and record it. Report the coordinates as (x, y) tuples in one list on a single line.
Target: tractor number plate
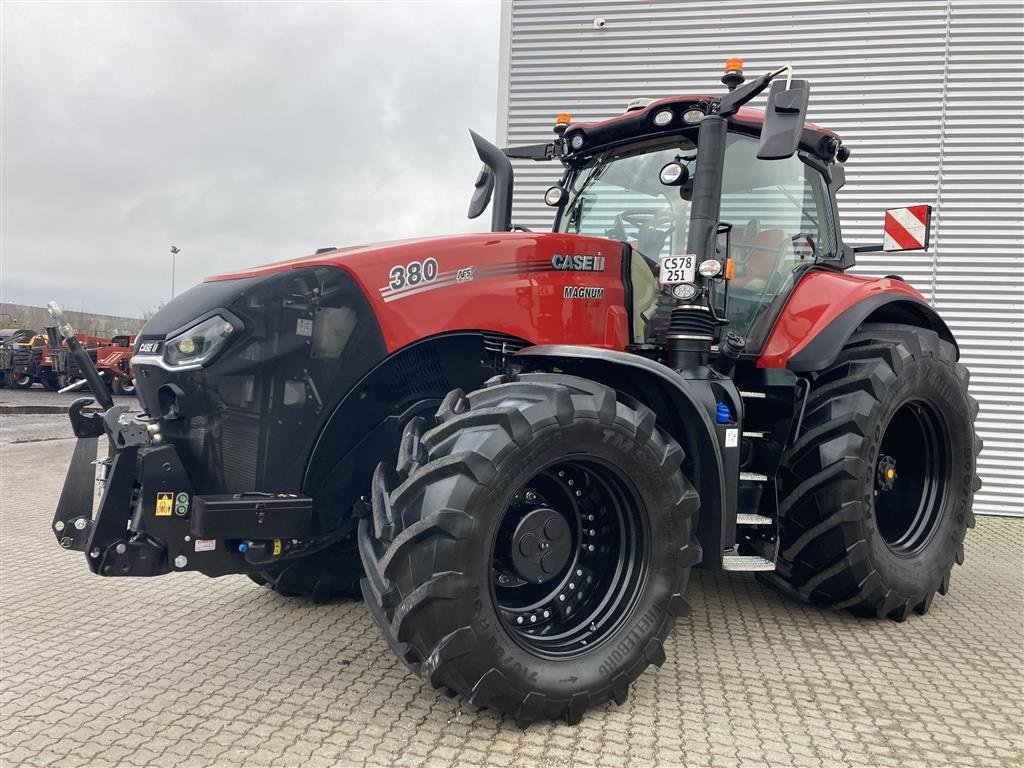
[(677, 269)]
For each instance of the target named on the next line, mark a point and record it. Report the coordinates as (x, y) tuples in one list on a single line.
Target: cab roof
[(639, 123)]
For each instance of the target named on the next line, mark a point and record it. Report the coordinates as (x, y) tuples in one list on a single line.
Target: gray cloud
[(243, 133)]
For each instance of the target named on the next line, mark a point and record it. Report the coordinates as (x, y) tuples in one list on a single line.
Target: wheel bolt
[(579, 493), (579, 571), (562, 598), (561, 473), (519, 620), (590, 518), (590, 548), (593, 532), (547, 614), (572, 585), (571, 482), (533, 619)]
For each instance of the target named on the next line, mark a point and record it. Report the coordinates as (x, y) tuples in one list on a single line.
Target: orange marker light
[(734, 65), (730, 268), (563, 118)]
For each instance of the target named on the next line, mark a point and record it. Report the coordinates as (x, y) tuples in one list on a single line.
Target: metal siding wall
[(926, 94)]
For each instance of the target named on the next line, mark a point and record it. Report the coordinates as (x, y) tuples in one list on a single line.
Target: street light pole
[(174, 251)]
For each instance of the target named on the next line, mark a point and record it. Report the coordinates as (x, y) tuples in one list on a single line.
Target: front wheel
[(20, 380), (121, 386), (531, 551), (880, 481)]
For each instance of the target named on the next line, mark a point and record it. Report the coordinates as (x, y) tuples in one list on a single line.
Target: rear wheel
[(531, 551), (880, 482)]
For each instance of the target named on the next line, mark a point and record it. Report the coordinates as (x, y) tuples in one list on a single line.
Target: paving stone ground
[(182, 670)]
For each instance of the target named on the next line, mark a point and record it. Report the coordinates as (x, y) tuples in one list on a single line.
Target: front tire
[(121, 386), (879, 483), (531, 551), (20, 380)]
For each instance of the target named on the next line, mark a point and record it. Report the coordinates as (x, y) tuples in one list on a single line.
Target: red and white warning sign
[(907, 229)]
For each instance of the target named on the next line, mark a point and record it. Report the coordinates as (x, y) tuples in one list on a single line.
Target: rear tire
[(878, 487), (483, 571)]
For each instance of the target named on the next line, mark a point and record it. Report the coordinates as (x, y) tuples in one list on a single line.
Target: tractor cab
[(721, 207), (778, 215)]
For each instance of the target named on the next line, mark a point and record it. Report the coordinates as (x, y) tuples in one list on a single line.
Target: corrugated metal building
[(928, 95)]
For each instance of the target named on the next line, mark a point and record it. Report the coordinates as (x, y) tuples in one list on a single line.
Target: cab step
[(746, 563), (744, 518)]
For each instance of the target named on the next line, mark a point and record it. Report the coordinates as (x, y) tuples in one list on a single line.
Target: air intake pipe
[(692, 327), (501, 169)]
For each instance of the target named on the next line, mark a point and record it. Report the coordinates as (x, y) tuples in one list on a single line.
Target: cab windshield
[(780, 213)]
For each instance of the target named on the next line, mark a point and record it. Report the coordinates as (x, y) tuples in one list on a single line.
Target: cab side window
[(781, 221)]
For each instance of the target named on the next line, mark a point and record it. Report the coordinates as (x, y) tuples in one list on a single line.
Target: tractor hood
[(532, 285), (355, 257)]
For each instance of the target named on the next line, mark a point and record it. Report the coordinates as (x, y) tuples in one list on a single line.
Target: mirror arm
[(731, 102)]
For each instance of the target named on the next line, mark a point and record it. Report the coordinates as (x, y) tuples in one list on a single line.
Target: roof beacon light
[(636, 104), (733, 77), (562, 121)]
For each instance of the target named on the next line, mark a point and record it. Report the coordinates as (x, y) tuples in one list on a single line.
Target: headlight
[(199, 343)]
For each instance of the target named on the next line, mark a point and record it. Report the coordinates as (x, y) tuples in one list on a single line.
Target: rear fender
[(682, 409), (826, 308)]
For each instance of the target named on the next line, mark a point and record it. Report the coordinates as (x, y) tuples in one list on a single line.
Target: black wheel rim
[(562, 599), (912, 477)]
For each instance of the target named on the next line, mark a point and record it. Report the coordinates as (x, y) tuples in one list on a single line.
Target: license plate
[(677, 269)]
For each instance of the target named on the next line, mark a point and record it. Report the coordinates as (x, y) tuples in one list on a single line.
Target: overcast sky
[(243, 133)]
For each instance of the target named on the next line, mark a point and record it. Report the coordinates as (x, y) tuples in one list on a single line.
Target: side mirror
[(783, 119), (483, 188)]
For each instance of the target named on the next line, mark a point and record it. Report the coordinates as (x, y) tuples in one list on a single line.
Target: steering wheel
[(646, 221)]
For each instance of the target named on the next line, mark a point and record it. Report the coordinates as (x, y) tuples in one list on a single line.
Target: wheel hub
[(886, 479), (541, 545)]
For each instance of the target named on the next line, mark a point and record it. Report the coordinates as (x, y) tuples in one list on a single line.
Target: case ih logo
[(578, 262)]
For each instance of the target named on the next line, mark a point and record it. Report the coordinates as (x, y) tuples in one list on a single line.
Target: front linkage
[(149, 520)]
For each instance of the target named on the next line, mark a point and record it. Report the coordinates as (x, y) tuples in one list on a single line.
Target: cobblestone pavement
[(187, 671)]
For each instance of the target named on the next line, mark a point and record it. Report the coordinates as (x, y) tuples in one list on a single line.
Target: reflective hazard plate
[(677, 269)]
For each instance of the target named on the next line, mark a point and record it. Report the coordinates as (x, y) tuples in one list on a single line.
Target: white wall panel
[(928, 95)]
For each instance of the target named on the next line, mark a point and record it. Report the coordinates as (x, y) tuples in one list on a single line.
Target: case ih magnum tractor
[(518, 444)]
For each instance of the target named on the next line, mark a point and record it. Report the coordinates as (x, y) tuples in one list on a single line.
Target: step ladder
[(756, 524)]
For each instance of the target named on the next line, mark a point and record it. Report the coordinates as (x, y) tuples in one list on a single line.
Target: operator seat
[(756, 257), (645, 293)]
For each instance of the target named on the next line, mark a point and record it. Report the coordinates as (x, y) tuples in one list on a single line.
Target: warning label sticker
[(206, 545), (164, 504)]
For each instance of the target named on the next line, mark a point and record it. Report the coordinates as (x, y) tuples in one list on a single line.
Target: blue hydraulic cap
[(243, 547), (722, 414)]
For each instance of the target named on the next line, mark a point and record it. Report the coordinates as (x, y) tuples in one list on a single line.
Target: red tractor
[(516, 445), (113, 363)]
